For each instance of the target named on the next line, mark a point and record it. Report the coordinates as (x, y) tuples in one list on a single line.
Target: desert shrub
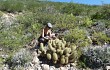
[(19, 58), (99, 26), (12, 6), (65, 21), (12, 38), (103, 13), (72, 8), (30, 23), (78, 36), (95, 57), (108, 32), (83, 21), (100, 38)]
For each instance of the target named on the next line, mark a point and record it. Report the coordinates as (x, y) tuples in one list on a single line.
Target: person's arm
[(43, 33)]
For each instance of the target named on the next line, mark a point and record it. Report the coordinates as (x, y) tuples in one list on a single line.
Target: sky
[(89, 2)]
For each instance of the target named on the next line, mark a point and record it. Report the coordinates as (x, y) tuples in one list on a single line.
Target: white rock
[(108, 67), (63, 68), (73, 64), (71, 68), (38, 68), (45, 67), (5, 67), (34, 53), (52, 68), (35, 60), (30, 68)]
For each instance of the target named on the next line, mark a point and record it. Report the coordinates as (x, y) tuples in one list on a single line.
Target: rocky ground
[(37, 64)]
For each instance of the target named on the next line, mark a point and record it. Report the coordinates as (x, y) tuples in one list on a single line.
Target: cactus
[(64, 42), (62, 61), (53, 44), (68, 44), (42, 47), (73, 56), (73, 47), (62, 39), (66, 60), (50, 41), (56, 40), (51, 48), (59, 51), (67, 55), (54, 62), (62, 46), (48, 56), (59, 47), (59, 44), (55, 57), (66, 50)]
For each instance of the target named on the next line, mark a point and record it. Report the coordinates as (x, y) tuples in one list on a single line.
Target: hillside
[(85, 26)]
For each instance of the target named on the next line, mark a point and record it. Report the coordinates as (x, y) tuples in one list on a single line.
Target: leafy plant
[(19, 58), (95, 57), (100, 38), (78, 36)]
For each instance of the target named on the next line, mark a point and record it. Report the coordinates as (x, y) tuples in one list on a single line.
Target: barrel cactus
[(59, 51)]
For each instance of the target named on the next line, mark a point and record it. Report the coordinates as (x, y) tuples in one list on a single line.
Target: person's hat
[(49, 25)]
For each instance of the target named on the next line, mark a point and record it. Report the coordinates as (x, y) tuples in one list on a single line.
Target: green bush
[(72, 8), (78, 36), (85, 21), (103, 13), (12, 6), (65, 21), (99, 38)]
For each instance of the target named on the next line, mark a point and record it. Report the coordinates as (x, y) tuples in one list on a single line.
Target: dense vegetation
[(83, 25)]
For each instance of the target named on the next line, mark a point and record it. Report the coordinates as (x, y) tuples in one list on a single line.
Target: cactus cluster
[(59, 51)]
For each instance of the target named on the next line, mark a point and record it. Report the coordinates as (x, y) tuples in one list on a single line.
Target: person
[(46, 34)]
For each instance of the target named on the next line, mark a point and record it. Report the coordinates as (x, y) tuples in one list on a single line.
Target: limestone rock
[(45, 67), (35, 60), (52, 68), (63, 68), (108, 67)]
